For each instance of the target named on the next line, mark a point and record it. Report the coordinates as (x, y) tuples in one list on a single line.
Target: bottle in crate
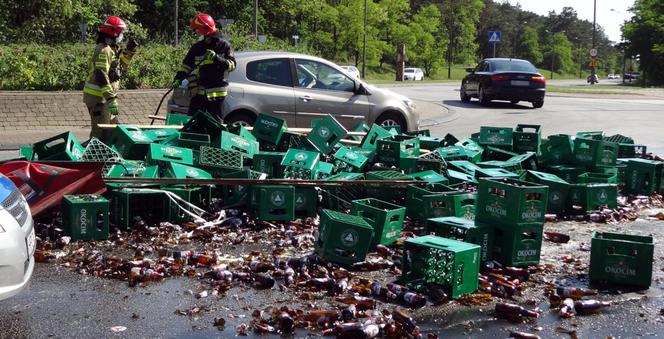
[(85, 216), (463, 230), (343, 238), (621, 259)]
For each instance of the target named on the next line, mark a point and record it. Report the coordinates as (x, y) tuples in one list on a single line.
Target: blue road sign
[(494, 37)]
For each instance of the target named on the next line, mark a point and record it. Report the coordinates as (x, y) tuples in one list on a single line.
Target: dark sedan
[(513, 80)]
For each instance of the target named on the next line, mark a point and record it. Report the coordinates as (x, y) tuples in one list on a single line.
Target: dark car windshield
[(512, 66)]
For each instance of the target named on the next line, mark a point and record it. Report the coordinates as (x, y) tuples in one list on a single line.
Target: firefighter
[(204, 66), (106, 66)]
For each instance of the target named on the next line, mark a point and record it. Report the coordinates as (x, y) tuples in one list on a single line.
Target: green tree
[(645, 34), (529, 47), (558, 55), (460, 19), (428, 50)]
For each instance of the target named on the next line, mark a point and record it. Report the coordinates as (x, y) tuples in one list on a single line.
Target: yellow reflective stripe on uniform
[(91, 91), (215, 95), (231, 65), (206, 62), (184, 68), (106, 89), (201, 92), (101, 62), (125, 59)]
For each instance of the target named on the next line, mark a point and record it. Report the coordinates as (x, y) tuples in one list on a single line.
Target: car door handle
[(305, 98)]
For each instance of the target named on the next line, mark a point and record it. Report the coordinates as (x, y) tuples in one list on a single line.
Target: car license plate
[(30, 242), (520, 83)]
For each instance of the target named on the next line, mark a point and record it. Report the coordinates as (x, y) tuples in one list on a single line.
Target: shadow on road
[(491, 105)]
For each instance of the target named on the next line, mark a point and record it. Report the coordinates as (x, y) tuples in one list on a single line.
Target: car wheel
[(538, 103), (240, 118), (482, 97), (388, 120), (514, 102), (462, 93)]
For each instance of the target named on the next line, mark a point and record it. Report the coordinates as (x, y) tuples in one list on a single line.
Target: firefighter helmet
[(113, 26), (203, 24)]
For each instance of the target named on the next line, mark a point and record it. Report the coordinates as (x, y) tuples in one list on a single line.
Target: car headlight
[(409, 103)]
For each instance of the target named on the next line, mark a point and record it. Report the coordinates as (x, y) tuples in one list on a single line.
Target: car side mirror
[(360, 89), (470, 70)]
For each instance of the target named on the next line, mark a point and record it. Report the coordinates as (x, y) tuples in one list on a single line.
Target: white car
[(352, 70), (610, 76), (413, 73), (17, 240)]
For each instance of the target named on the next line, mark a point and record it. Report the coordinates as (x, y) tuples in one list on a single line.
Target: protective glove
[(113, 106), (209, 55), (176, 83), (132, 44)]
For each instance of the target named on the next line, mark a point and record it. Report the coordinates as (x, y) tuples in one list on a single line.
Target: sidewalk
[(27, 117)]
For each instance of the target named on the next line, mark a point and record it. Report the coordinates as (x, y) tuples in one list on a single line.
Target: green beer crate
[(526, 161), (162, 154), (642, 176), (270, 163), (457, 177), (558, 190), (326, 133), (496, 136), (300, 164), (236, 143), (451, 153), (203, 123), (506, 165), (130, 141), (376, 133), (370, 154), (217, 160), (464, 166), (430, 177), (343, 238), (349, 158), (472, 149), (180, 171), (60, 147), (341, 197), (517, 246), (198, 196), (132, 169), (193, 140), (269, 129), (419, 164), (621, 259), (323, 170), (593, 135), (424, 201), (590, 197), (495, 173), (164, 136), (450, 263), (631, 151), (595, 153), (558, 149), (463, 230), (273, 202), (359, 127), (27, 153), (510, 202), (430, 143), (527, 138), (598, 178), (85, 216), (385, 218), (496, 153), (568, 173), (293, 140), (306, 202), (177, 119), (386, 192), (391, 150), (237, 195), (128, 205)]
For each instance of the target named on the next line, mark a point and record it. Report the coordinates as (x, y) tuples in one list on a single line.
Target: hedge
[(65, 67)]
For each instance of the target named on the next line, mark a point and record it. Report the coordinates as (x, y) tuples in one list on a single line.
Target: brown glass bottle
[(589, 306), (511, 310)]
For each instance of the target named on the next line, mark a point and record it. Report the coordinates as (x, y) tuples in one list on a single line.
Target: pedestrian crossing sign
[(494, 37)]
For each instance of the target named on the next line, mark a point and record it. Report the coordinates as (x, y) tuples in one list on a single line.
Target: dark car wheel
[(484, 100), (462, 93), (241, 118), (391, 119), (538, 103)]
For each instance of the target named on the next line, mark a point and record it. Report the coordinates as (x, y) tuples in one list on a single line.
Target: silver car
[(300, 88), (17, 240)]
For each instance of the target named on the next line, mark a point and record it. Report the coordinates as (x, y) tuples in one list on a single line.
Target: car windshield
[(513, 66), (409, 70)]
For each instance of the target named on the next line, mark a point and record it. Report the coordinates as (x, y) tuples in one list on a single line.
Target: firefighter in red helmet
[(106, 66), (204, 67)]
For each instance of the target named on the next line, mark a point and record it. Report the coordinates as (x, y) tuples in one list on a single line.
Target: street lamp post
[(592, 67), (364, 43)]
